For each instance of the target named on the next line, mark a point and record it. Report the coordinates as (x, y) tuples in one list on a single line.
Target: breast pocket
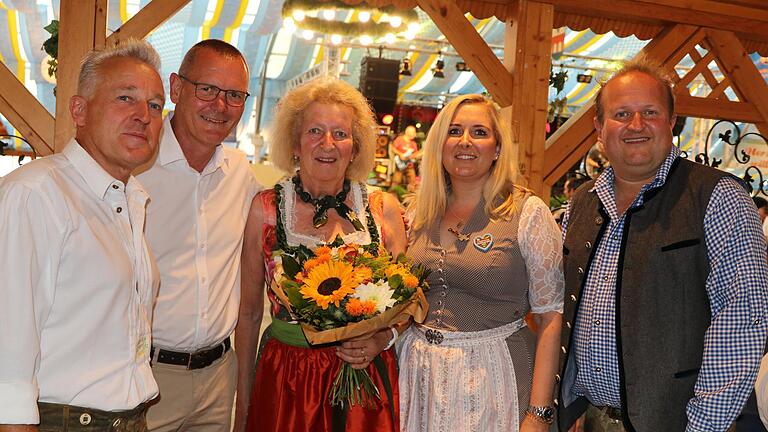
[(681, 244)]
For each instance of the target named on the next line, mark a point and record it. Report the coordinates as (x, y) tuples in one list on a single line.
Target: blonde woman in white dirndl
[(496, 254)]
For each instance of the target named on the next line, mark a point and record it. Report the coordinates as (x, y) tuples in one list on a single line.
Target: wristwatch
[(544, 414)]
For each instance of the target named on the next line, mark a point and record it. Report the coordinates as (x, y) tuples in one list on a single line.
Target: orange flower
[(363, 274), (314, 262), (411, 281), (323, 250), (369, 307), (354, 307), (394, 269), (348, 252)]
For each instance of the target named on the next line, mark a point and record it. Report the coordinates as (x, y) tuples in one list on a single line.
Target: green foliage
[(51, 47)]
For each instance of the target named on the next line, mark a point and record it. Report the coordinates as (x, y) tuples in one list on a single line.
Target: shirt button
[(119, 209), (441, 280), (115, 187), (442, 252), (580, 270), (443, 294), (557, 378), (85, 419), (598, 369), (573, 297), (116, 423), (605, 278), (598, 220), (568, 324), (588, 245), (441, 261), (563, 348), (439, 302), (597, 322), (757, 321)]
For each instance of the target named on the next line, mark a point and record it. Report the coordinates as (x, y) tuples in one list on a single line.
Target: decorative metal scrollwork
[(733, 137), (3, 145)]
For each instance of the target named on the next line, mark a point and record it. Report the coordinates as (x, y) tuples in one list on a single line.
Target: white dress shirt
[(76, 289), (195, 224)]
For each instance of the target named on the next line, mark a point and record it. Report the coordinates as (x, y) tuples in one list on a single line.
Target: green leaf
[(290, 266)]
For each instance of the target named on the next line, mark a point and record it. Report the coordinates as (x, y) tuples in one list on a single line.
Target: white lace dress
[(469, 367)]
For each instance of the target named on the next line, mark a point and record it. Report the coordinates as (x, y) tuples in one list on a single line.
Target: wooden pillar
[(528, 56), (83, 27)]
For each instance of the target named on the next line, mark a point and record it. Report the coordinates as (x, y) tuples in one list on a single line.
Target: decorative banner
[(558, 42)]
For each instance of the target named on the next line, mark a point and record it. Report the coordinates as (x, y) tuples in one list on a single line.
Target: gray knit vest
[(662, 309)]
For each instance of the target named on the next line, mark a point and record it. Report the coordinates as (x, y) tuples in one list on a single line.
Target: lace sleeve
[(542, 248)]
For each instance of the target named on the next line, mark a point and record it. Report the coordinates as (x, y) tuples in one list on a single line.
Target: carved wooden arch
[(568, 145)]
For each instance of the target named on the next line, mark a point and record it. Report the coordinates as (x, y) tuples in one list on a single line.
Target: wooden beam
[(82, 28), (744, 19), (147, 19), (746, 80), (472, 48), (528, 54), (719, 109), (25, 113)]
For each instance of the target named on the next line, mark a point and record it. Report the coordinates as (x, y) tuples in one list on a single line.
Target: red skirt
[(290, 392)]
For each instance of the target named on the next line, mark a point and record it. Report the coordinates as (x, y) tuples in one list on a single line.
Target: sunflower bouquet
[(341, 291)]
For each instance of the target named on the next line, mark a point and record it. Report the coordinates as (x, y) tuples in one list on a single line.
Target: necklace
[(326, 202), (456, 230)]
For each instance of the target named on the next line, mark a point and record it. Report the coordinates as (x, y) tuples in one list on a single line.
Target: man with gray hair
[(76, 300)]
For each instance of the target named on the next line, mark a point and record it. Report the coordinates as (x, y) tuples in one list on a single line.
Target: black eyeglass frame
[(226, 92)]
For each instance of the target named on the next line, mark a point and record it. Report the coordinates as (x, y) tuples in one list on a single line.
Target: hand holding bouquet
[(339, 292)]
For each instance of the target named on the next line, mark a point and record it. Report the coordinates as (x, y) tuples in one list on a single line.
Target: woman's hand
[(531, 425), (360, 351)]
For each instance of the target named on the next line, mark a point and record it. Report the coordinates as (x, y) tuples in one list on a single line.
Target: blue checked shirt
[(737, 287)]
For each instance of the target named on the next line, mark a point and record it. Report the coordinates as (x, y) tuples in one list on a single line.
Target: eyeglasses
[(209, 92)]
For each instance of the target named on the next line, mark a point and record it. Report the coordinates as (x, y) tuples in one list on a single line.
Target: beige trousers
[(194, 400)]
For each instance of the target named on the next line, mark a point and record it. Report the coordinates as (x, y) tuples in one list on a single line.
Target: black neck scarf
[(326, 202)]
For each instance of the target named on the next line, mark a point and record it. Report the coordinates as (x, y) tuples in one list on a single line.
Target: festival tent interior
[(541, 60)]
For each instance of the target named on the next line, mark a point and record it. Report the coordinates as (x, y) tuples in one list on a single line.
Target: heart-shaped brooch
[(483, 242)]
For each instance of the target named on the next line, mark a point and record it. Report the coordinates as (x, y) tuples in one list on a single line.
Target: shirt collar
[(170, 151), (94, 175), (605, 180)]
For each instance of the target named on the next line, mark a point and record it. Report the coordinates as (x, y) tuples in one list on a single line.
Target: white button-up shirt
[(76, 288), (195, 224)]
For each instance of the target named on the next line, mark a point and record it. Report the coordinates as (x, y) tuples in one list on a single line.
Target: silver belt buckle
[(434, 337)]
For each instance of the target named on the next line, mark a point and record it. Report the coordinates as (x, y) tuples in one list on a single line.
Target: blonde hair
[(290, 112), (499, 192)]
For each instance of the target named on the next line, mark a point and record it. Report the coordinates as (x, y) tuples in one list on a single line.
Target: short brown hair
[(644, 66), (218, 46)]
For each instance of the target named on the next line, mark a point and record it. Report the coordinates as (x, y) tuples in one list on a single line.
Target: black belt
[(197, 360)]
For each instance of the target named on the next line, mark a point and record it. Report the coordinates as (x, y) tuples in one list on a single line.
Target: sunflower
[(329, 282)]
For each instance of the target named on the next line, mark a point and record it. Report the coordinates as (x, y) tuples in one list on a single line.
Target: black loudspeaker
[(379, 80)]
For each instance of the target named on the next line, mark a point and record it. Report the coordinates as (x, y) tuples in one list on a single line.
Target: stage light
[(307, 34), (364, 16), (437, 71), (387, 119), (395, 21), (462, 67), (299, 15), (329, 14), (389, 38), (405, 67), (335, 39), (366, 40)]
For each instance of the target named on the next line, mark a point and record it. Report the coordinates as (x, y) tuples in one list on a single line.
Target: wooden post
[(528, 55), (25, 113), (83, 27)]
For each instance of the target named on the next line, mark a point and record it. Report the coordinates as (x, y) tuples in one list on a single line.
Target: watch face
[(548, 413)]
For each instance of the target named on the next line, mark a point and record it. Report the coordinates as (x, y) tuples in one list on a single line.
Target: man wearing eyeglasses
[(200, 192)]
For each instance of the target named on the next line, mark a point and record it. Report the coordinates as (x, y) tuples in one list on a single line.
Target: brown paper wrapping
[(415, 307)]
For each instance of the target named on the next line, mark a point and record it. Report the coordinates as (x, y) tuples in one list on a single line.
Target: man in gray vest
[(666, 277)]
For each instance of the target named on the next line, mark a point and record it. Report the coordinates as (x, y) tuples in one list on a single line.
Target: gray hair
[(89, 76)]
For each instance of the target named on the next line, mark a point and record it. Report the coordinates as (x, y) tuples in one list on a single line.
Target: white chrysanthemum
[(380, 294)]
